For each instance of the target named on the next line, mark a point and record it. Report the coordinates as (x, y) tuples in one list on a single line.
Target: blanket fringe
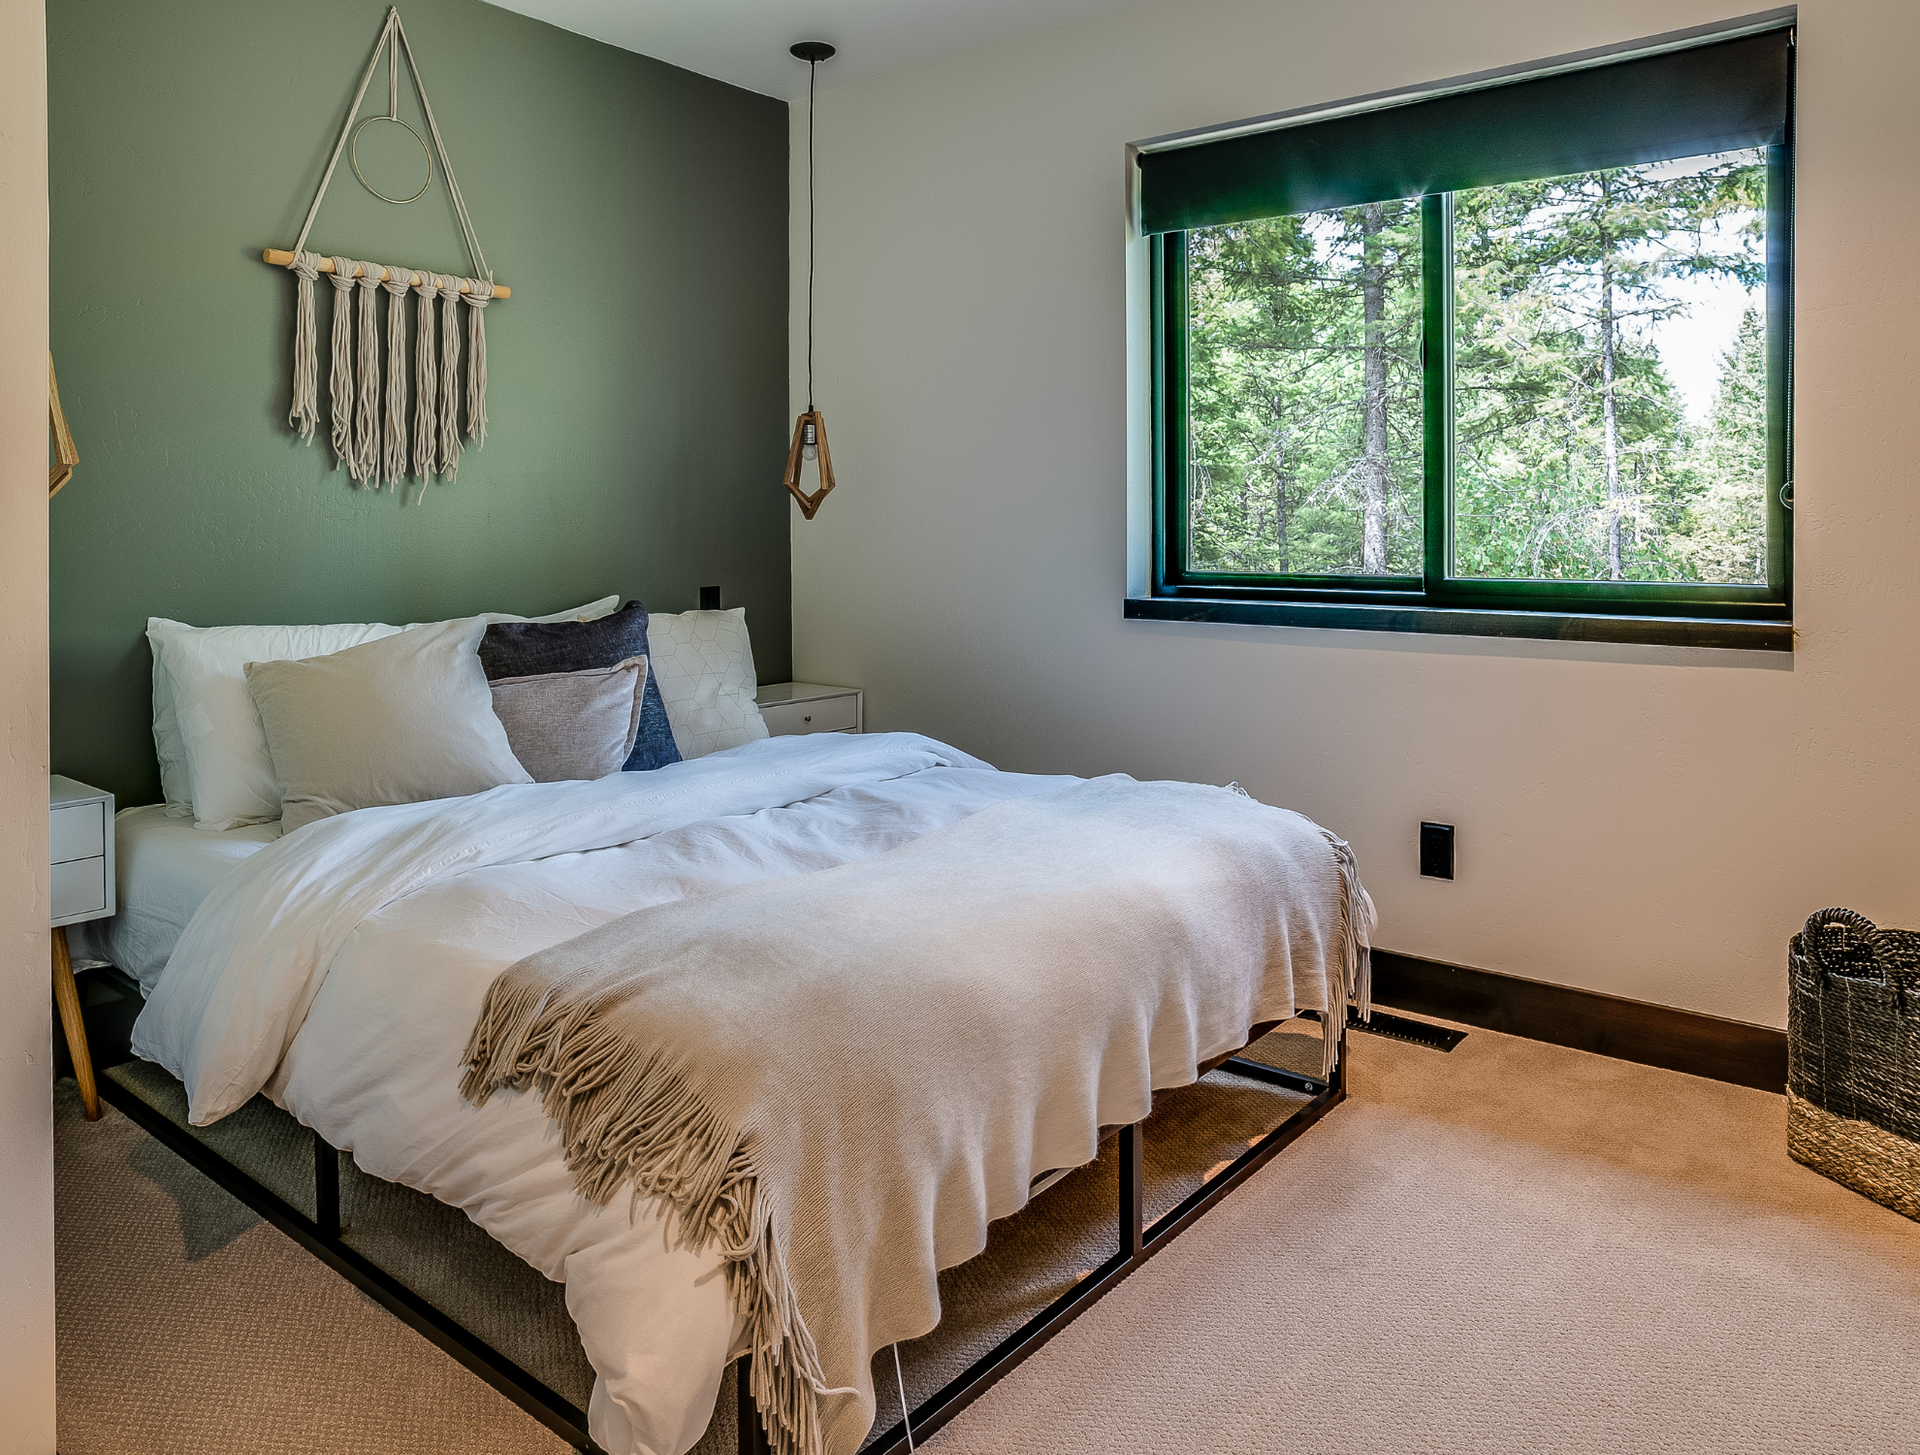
[(1353, 985), (626, 1117)]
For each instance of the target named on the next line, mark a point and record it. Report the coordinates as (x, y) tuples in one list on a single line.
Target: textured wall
[(26, 1085), (1651, 823), (637, 373)]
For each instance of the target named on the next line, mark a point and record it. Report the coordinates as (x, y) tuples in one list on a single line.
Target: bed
[(164, 868), (340, 971)]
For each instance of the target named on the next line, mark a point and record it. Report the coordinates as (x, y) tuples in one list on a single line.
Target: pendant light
[(810, 430)]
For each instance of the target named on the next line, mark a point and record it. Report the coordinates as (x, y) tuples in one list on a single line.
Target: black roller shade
[(1707, 98)]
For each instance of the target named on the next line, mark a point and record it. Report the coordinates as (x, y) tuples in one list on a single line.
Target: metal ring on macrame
[(355, 157)]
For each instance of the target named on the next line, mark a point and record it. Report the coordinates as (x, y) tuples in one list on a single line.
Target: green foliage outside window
[(1575, 456), (1305, 393)]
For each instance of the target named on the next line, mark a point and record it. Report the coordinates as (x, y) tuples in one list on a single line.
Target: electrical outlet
[(709, 598), (1436, 851)]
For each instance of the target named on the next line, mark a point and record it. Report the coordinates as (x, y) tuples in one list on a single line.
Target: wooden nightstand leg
[(67, 996)]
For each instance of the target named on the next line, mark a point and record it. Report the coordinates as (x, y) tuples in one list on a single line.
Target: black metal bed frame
[(1138, 1240)]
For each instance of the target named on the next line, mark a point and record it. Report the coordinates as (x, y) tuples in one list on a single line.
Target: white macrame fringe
[(305, 413), (479, 295), (340, 383), (393, 455), (366, 414), (426, 363), (375, 451), (449, 376)]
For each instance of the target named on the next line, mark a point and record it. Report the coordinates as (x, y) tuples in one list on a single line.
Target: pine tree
[(1304, 392), (1726, 537), (1559, 283)]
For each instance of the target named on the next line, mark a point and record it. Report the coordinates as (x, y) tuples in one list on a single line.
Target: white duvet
[(341, 969)]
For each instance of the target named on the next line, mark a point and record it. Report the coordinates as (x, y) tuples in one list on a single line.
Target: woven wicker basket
[(1853, 1056)]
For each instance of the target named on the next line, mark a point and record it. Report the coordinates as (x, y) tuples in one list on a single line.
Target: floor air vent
[(1399, 1028)]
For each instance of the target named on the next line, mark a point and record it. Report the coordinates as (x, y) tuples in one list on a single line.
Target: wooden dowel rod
[(279, 257)]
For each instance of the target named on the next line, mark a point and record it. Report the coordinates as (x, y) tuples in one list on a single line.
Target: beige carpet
[(110, 1173), (1511, 1248), (187, 1326), (1508, 1248)]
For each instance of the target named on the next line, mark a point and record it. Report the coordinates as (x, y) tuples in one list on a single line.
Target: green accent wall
[(637, 376)]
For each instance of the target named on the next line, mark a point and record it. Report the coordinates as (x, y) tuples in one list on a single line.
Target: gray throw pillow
[(399, 720), (565, 725), (526, 648)]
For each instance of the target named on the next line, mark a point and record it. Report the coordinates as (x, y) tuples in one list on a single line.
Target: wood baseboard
[(1628, 1030)]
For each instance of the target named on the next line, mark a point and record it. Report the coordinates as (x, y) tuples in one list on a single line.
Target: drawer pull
[(813, 715)]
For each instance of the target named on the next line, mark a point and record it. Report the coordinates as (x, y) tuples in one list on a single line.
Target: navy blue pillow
[(534, 648)]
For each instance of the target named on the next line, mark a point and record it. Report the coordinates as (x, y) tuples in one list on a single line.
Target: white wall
[(1648, 822), (26, 1083)]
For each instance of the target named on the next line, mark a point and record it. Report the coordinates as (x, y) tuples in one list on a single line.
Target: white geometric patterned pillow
[(703, 661)]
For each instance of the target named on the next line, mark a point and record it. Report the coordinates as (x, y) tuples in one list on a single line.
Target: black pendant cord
[(813, 68), (812, 52)]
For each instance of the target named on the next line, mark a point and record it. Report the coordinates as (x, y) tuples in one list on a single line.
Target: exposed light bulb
[(809, 441)]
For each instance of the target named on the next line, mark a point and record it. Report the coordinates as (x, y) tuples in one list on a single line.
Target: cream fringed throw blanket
[(838, 1079)]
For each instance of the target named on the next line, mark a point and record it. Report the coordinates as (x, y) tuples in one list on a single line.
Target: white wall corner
[(26, 1083)]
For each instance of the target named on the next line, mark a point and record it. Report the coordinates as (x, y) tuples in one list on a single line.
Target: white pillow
[(401, 719), (592, 611), (206, 733), (703, 661), (168, 746)]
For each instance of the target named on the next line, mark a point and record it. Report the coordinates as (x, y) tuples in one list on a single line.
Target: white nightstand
[(80, 821), (808, 707)]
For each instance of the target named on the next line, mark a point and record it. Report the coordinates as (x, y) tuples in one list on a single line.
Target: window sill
[(1665, 631)]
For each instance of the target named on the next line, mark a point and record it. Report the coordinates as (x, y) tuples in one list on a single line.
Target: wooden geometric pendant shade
[(64, 454), (809, 504)]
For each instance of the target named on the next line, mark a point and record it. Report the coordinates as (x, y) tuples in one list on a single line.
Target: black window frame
[(1680, 613)]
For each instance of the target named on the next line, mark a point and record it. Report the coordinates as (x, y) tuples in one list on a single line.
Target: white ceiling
[(745, 41)]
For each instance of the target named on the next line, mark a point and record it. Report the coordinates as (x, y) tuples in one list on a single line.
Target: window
[(1511, 359)]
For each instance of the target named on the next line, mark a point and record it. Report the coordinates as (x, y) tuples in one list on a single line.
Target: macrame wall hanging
[(810, 429), (371, 437)]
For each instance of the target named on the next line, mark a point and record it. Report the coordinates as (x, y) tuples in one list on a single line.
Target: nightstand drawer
[(824, 715), (79, 832), (79, 887)]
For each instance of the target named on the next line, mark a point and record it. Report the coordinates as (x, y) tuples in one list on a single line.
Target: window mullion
[(1167, 536), (1174, 384), (1436, 357)]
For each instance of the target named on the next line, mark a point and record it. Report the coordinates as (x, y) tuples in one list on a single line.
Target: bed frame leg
[(753, 1434), (326, 1188), (1133, 1179)]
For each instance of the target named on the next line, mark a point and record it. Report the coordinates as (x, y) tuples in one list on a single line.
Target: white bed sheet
[(163, 868), (348, 985)]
